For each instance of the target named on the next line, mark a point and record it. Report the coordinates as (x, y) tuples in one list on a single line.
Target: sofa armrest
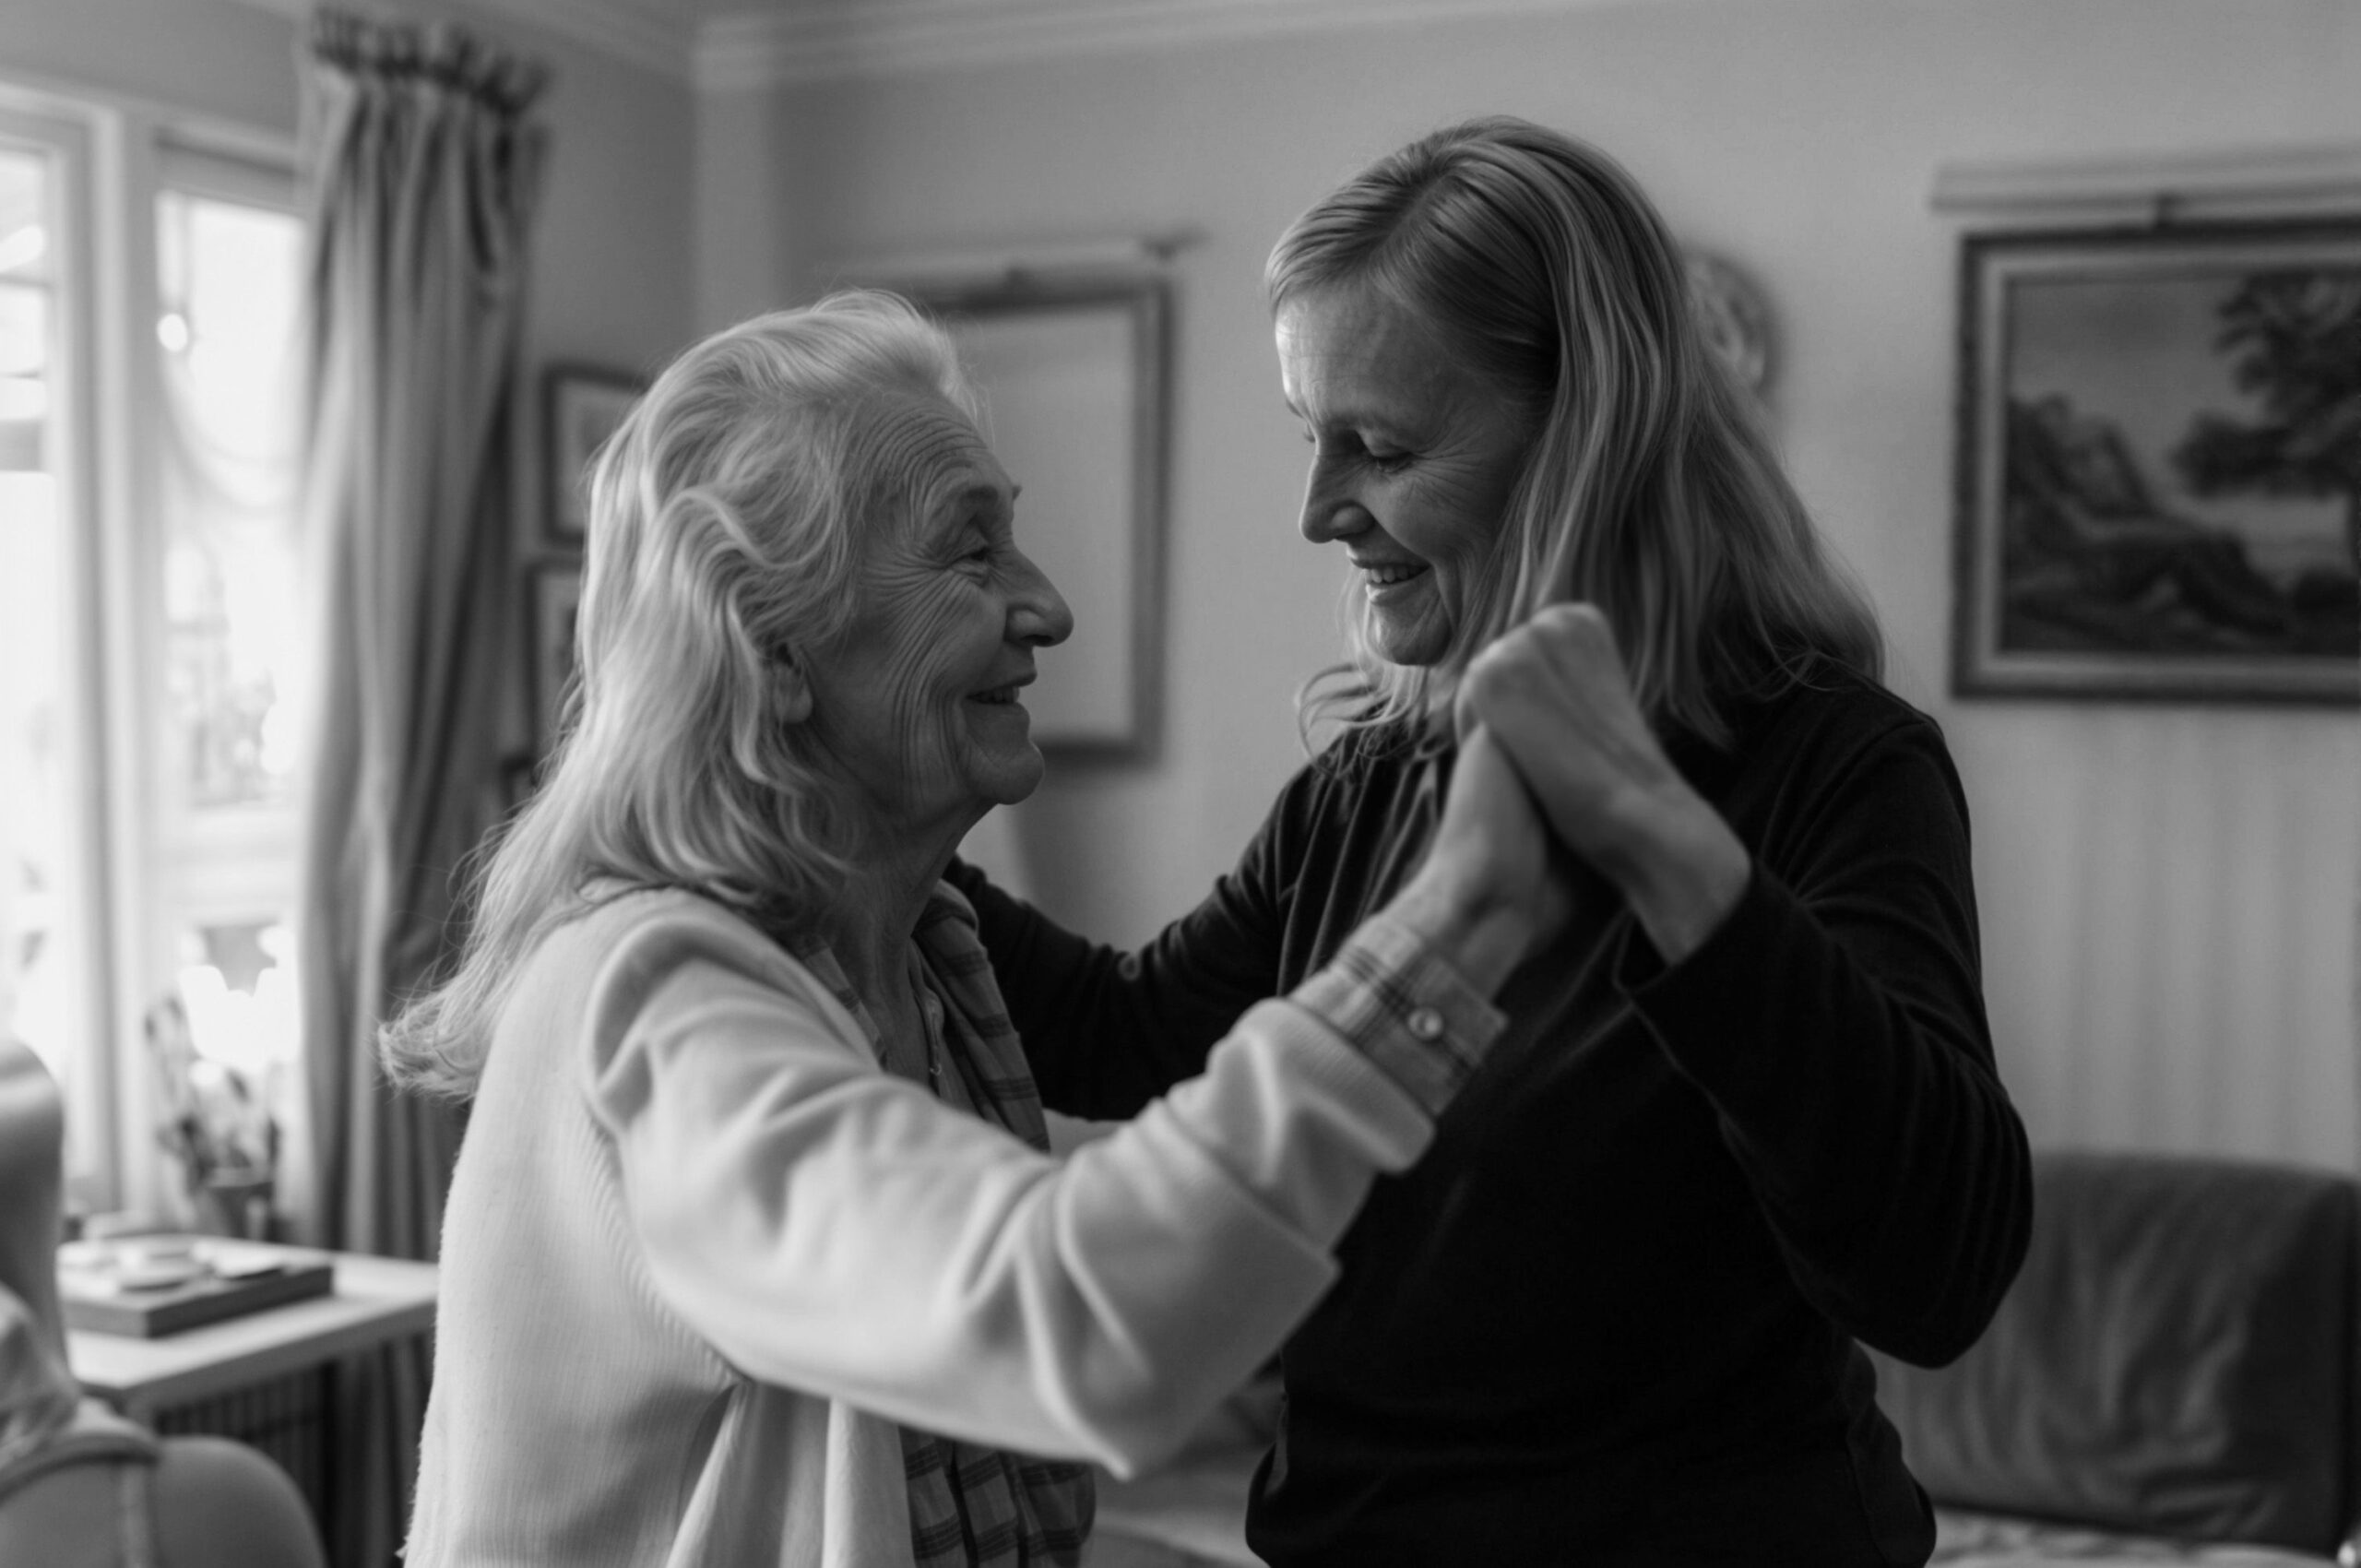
[(2176, 1358)]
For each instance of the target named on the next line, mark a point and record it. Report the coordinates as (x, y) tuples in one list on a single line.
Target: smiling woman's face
[(1414, 458), (916, 704)]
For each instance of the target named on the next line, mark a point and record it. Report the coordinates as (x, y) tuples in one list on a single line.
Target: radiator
[(285, 1418)]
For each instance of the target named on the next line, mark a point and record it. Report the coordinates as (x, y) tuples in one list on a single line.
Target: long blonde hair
[(725, 516), (1651, 489)]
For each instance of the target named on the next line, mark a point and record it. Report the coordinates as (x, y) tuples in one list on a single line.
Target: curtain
[(425, 171)]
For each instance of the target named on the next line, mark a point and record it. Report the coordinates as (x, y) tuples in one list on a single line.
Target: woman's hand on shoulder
[(1555, 696)]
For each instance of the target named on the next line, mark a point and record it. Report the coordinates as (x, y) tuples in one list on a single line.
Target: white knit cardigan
[(702, 1255)]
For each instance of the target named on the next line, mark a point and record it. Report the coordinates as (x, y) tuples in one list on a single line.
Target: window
[(151, 644), (229, 259), (53, 945)]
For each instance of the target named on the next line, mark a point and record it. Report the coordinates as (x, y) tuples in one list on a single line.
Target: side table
[(266, 1379), (375, 1299)]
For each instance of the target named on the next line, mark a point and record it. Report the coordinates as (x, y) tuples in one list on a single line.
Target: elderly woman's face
[(1413, 460), (917, 703)]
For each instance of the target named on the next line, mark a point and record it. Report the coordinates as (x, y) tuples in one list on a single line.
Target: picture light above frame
[(1066, 348)]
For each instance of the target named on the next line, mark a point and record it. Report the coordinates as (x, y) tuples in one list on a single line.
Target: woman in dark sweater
[(1615, 1316)]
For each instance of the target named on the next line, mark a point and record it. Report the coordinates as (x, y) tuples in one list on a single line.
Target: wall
[(2168, 893)]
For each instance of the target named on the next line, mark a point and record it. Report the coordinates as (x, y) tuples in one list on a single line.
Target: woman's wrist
[(1482, 936), (1683, 877)]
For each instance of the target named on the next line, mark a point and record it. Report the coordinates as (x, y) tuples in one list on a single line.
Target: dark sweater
[(1610, 1316)]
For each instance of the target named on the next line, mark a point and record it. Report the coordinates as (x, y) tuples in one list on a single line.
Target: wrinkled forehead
[(918, 453)]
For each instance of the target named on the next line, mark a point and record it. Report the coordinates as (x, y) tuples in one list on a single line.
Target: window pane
[(229, 278), (25, 217), (230, 295), (46, 989), (236, 989)]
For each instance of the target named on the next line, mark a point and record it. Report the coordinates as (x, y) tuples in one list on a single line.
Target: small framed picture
[(557, 593), (2159, 463), (582, 405), (520, 777)]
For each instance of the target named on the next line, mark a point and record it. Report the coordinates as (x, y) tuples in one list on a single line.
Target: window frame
[(67, 142), (116, 157)]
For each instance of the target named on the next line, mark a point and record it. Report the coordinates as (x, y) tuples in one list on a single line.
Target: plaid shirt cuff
[(1407, 1010)]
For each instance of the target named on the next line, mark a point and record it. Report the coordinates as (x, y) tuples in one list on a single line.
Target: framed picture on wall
[(557, 592), (2158, 469), (581, 406), (1071, 374)]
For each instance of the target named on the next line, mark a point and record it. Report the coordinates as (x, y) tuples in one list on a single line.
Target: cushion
[(1986, 1540), (2175, 1359)]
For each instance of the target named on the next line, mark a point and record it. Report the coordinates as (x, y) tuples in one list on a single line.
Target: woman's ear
[(794, 691)]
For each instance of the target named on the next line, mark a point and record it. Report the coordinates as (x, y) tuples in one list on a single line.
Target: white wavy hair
[(725, 518)]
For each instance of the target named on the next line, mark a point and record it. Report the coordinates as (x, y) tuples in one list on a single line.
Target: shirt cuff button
[(1425, 1023)]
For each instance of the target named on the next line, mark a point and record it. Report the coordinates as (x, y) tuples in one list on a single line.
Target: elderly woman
[(1749, 1118), (755, 1252)]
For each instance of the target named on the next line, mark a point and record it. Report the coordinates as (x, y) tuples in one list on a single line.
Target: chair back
[(33, 1157), (216, 1505)]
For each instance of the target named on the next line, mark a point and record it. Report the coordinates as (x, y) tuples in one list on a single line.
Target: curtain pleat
[(424, 174)]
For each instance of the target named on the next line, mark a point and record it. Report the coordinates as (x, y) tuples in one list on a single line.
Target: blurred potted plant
[(215, 1122)]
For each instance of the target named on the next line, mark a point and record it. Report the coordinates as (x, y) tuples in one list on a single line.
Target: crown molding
[(614, 28), (824, 41), (821, 39), (617, 28)]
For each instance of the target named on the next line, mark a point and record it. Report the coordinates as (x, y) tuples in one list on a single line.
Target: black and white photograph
[(1433, 784)]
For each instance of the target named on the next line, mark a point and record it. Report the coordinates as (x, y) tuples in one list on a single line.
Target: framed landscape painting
[(2159, 463)]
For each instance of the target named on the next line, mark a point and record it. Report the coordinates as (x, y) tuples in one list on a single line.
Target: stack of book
[(147, 1285)]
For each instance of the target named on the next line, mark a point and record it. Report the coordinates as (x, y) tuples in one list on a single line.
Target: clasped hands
[(1556, 757)]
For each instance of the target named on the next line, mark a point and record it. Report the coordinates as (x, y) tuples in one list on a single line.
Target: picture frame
[(2157, 474), (556, 588), (581, 406), (1069, 370)]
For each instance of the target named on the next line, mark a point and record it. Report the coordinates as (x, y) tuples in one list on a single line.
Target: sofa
[(2173, 1378)]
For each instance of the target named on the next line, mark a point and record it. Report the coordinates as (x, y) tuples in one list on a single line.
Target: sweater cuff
[(1406, 1009), (1688, 1006)]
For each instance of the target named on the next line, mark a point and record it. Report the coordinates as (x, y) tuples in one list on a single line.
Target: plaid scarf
[(973, 1506)]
